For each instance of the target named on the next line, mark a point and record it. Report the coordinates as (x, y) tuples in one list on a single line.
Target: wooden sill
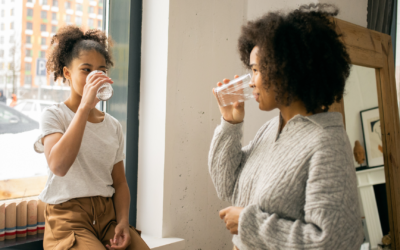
[(21, 188), (21, 241)]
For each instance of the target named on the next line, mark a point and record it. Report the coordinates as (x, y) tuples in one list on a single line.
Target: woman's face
[(265, 98), (80, 67)]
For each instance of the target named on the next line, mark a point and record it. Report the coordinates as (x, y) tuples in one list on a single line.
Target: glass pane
[(26, 89)]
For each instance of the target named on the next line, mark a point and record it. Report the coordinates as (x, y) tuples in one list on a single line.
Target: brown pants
[(84, 223)]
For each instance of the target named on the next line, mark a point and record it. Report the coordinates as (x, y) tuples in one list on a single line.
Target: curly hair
[(70, 41), (300, 55)]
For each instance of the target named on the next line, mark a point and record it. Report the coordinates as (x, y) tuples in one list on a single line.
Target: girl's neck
[(73, 102)]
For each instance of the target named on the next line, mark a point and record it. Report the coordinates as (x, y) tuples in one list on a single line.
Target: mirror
[(362, 122)]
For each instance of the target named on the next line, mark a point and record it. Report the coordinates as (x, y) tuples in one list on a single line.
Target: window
[(79, 7), (43, 14), (28, 80), (1, 67), (12, 12), (2, 26), (11, 25), (28, 53), (30, 1), (32, 48), (29, 12), (11, 39), (91, 9), (3, 13), (68, 18), (99, 11), (1, 39), (28, 66), (98, 24), (78, 20), (90, 23)]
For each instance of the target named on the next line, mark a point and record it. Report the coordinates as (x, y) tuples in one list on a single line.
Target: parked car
[(12, 121), (33, 108)]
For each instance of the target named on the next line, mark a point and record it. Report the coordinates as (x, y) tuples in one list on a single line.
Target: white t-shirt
[(90, 174)]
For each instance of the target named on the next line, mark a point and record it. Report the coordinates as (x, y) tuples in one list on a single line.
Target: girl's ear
[(67, 73)]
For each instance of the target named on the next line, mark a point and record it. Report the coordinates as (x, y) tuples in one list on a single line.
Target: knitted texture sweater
[(298, 187)]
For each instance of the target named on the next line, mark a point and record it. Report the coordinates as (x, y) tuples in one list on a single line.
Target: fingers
[(95, 76), (236, 76), (223, 212), (226, 81)]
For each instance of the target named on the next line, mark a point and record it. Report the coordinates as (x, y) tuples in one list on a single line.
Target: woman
[(86, 193), (294, 185)]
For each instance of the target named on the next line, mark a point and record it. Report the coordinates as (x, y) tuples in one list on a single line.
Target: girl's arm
[(61, 149), (122, 197)]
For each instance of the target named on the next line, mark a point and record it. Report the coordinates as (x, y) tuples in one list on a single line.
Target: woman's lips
[(256, 95)]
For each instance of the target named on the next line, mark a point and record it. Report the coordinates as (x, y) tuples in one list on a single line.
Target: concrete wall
[(188, 46)]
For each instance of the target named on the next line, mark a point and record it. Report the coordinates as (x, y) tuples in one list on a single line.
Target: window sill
[(164, 243)]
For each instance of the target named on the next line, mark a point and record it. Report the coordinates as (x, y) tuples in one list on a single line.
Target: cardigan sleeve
[(227, 157)]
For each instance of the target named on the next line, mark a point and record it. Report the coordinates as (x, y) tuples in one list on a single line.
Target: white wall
[(188, 46)]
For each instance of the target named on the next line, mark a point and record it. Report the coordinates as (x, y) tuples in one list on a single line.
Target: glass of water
[(237, 90), (105, 92)]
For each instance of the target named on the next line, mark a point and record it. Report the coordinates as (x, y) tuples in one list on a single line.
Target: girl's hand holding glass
[(93, 83)]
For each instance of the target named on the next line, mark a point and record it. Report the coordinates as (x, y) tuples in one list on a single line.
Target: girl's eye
[(87, 70)]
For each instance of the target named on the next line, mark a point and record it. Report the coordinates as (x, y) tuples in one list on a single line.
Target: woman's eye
[(87, 70)]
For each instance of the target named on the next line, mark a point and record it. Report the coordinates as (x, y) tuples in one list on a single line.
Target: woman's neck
[(74, 101), (295, 108)]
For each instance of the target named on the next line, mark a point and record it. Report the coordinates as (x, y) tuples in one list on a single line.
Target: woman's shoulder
[(57, 110), (113, 122)]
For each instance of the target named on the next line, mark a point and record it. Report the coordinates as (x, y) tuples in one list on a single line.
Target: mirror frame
[(372, 49)]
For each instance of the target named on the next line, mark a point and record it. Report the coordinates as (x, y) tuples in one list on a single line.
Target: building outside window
[(28, 67), (43, 27), (68, 5), (28, 80), (42, 54), (43, 41), (29, 25), (55, 3), (91, 9), (54, 16), (78, 20), (44, 2), (53, 29), (43, 14), (28, 39), (29, 12), (91, 23), (79, 7), (28, 53)]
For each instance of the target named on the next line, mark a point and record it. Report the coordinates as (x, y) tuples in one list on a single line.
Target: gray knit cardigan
[(298, 187)]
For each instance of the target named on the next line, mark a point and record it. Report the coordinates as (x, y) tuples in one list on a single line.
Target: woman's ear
[(67, 75)]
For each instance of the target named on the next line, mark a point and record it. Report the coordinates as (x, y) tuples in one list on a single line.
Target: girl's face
[(265, 98), (80, 67)]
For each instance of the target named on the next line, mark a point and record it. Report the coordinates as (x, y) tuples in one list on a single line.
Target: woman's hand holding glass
[(89, 98), (234, 113)]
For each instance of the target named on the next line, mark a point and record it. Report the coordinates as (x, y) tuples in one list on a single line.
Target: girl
[(86, 193), (294, 186)]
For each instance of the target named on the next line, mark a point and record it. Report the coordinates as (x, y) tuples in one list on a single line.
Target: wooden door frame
[(372, 49)]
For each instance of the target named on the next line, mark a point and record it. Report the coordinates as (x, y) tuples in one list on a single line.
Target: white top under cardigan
[(90, 174), (298, 187)]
